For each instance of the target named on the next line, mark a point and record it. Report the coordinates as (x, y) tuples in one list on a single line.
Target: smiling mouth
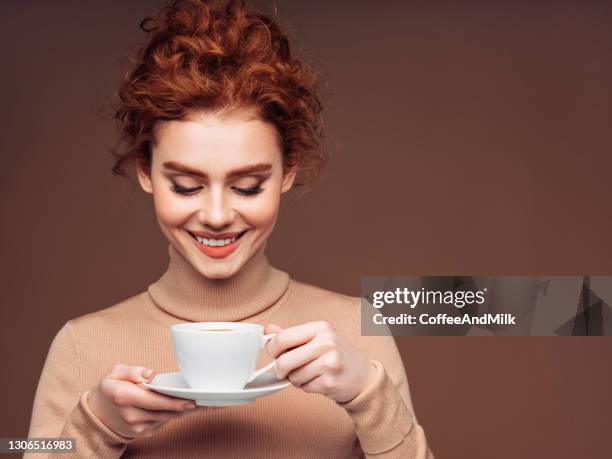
[(212, 243)]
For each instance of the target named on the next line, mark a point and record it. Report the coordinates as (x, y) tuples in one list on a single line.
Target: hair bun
[(200, 55)]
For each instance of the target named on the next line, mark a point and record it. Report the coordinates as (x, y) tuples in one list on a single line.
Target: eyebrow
[(178, 167)]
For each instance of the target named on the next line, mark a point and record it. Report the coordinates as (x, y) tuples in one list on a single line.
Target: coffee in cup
[(218, 330)]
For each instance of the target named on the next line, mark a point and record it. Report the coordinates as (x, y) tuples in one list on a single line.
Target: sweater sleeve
[(383, 415), (61, 408)]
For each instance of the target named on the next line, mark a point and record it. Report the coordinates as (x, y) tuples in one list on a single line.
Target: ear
[(288, 179), (144, 177)]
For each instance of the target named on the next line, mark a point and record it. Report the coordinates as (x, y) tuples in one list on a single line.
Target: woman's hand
[(131, 410), (314, 357)]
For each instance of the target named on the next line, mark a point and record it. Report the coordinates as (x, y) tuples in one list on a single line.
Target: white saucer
[(174, 385)]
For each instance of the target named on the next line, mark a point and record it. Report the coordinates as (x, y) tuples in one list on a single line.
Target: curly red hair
[(201, 55)]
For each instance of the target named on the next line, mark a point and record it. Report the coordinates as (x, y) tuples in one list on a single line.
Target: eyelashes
[(241, 191), (181, 190), (248, 191)]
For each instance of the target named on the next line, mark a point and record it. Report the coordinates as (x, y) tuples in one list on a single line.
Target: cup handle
[(268, 367)]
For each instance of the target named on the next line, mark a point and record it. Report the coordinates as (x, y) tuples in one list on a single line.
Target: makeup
[(220, 251)]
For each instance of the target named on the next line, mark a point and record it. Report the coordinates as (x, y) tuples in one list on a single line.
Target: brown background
[(474, 139)]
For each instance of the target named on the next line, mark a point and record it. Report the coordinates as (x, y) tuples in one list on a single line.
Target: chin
[(218, 273)]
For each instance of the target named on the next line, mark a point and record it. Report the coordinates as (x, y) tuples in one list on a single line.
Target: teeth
[(215, 242)]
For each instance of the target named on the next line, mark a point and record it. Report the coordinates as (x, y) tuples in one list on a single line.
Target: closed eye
[(241, 191), (182, 190), (248, 191)]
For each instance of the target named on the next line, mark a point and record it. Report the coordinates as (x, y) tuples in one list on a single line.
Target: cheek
[(262, 211), (170, 210)]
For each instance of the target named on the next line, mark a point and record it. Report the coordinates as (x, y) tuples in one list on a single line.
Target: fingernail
[(190, 406), (148, 373)]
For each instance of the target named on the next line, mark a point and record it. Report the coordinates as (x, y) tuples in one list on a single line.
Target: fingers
[(135, 374), (305, 374), (157, 419), (298, 357), (123, 388), (320, 376), (139, 416), (272, 328), (133, 395), (292, 337), (130, 409), (317, 386)]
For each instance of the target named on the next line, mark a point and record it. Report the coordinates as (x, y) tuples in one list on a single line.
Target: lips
[(217, 252), (216, 237), (208, 235)]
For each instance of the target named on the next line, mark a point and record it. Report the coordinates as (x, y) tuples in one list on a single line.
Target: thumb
[(272, 328)]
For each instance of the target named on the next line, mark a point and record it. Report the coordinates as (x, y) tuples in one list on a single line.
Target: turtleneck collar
[(186, 294)]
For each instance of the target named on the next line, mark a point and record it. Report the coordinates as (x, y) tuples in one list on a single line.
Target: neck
[(188, 295)]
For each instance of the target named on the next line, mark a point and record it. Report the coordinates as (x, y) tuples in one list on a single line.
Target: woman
[(219, 120)]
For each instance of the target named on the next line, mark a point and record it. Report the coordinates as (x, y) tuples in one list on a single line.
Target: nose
[(217, 212)]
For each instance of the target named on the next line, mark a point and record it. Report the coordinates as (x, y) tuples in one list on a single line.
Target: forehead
[(216, 143)]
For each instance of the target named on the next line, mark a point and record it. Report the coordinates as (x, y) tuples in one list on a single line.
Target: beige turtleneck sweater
[(379, 422)]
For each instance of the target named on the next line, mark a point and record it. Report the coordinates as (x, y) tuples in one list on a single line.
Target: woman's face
[(216, 178)]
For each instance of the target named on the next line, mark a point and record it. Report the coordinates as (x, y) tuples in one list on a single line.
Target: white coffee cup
[(219, 355)]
